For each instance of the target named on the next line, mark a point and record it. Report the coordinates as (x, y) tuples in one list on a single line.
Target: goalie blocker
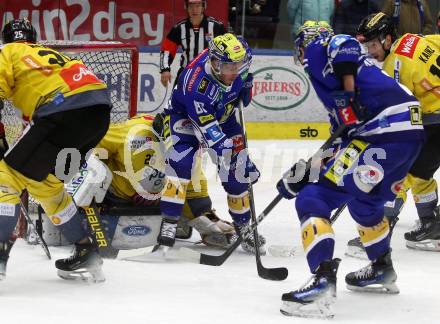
[(118, 225)]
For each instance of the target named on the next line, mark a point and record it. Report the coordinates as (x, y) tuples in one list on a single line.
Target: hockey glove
[(294, 180), (246, 91), (348, 109)]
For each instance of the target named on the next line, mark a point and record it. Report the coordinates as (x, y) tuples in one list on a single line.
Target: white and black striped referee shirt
[(192, 39)]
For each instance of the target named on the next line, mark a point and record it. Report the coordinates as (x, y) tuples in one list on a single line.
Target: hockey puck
[(281, 251)]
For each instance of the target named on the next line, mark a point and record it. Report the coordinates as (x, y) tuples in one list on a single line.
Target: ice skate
[(85, 264), (5, 248), (426, 235), (167, 235), (378, 277), (355, 249), (248, 244), (316, 297)]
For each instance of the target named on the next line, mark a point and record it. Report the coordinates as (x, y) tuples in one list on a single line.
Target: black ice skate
[(315, 298), (356, 249), (248, 244), (85, 264), (426, 236), (5, 248), (379, 277)]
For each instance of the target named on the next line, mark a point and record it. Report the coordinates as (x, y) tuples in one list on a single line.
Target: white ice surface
[(179, 292)]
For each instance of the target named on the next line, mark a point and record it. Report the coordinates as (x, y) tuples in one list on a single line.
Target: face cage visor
[(222, 68)]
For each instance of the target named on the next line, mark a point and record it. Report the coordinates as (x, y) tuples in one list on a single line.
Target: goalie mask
[(307, 33), (19, 30), (230, 57)]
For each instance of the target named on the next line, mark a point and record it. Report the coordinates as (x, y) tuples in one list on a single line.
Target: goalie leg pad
[(90, 183), (318, 241), (375, 239)]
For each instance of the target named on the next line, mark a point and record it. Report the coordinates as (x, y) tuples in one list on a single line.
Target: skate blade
[(2, 276), (127, 254), (320, 310), (85, 275), (426, 245), (377, 289), (356, 252)]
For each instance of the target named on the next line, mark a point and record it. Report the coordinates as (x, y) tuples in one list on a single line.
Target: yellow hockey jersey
[(131, 146), (414, 61), (33, 76)]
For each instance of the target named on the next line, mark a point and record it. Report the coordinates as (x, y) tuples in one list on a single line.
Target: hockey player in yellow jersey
[(414, 61), (132, 153), (64, 106)]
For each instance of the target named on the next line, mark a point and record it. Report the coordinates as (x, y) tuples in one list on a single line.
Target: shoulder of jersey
[(212, 19), (406, 45), (338, 40), (198, 83), (181, 22)]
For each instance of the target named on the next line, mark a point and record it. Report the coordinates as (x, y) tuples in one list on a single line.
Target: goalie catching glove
[(213, 230)]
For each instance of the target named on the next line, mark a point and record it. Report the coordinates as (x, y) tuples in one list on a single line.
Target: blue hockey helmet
[(308, 32), (229, 55)]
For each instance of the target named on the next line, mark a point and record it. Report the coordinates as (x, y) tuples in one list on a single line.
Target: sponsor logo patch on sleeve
[(407, 45)]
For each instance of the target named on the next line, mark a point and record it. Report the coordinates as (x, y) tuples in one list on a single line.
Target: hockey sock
[(318, 241), (375, 239)]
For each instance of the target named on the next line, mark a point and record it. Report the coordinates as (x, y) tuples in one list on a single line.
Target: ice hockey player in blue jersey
[(383, 136), (202, 114)]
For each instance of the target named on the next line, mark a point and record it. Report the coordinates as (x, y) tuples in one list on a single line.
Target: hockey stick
[(337, 213), (93, 218), (218, 260), (35, 230), (265, 273)]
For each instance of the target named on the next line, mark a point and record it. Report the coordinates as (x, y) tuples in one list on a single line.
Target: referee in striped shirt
[(192, 33)]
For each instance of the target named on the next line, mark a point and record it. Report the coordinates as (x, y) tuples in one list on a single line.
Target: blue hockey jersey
[(388, 104), (210, 106)]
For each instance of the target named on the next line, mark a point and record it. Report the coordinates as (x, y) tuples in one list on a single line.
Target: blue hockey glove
[(246, 90), (294, 180), (349, 110)]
